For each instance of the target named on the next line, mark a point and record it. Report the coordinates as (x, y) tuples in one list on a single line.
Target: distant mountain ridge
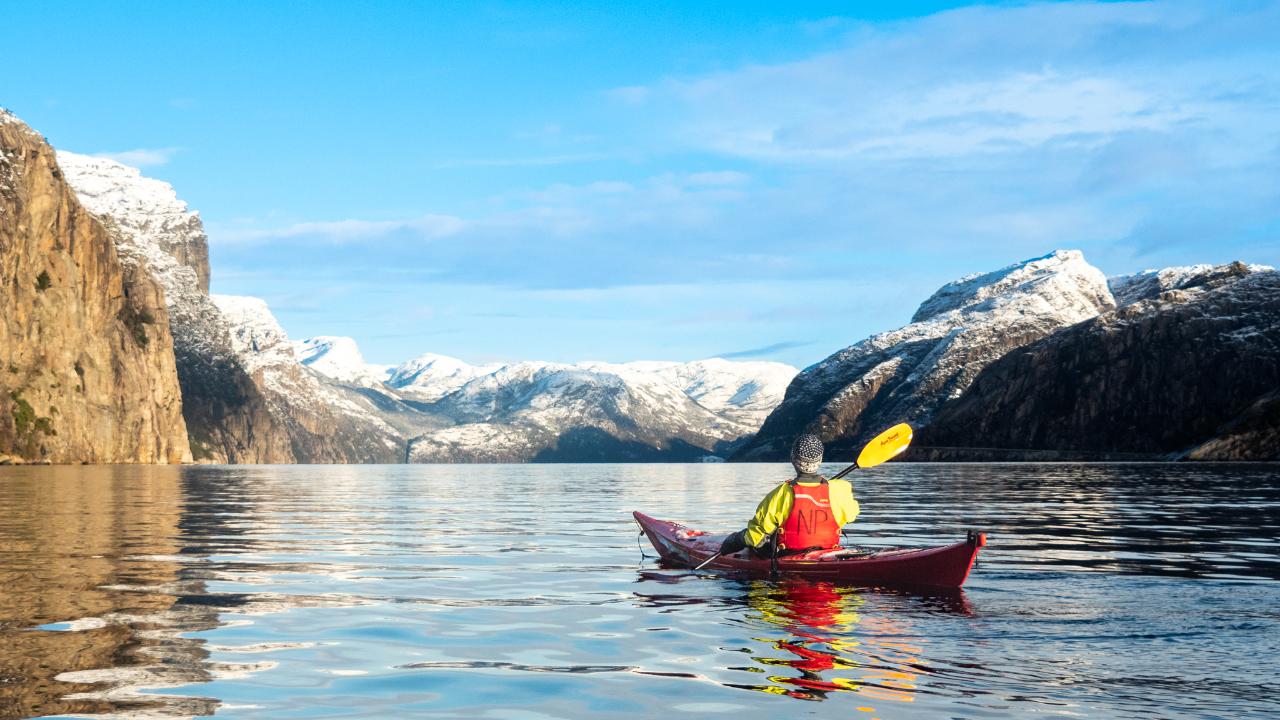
[(529, 410), (1048, 359)]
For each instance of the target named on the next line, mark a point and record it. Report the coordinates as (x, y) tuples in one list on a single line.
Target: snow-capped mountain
[(743, 391), (603, 411), (154, 221), (89, 372), (339, 358), (1188, 367), (245, 396), (530, 410), (430, 376), (908, 373)]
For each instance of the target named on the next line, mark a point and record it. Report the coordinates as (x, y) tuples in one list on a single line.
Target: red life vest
[(811, 523)]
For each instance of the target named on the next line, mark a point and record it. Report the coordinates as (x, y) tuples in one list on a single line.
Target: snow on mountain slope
[(1192, 371), (155, 222), (335, 406), (522, 411), (323, 392), (263, 346), (906, 374), (326, 424), (339, 358), (430, 377), (1148, 284), (596, 411), (744, 391)]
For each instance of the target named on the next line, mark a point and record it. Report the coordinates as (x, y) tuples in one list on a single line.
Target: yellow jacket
[(776, 506)]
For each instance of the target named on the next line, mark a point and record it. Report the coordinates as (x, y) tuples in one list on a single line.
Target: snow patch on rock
[(154, 223), (1148, 284)]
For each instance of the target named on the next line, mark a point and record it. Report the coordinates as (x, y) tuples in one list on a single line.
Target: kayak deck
[(943, 566)]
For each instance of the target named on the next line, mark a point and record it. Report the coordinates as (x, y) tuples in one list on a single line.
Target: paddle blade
[(885, 446)]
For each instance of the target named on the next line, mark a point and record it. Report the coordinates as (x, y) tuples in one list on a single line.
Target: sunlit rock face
[(1188, 368), (86, 355), (225, 412), (905, 375)]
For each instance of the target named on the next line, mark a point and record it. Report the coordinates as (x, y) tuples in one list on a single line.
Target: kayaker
[(807, 511)]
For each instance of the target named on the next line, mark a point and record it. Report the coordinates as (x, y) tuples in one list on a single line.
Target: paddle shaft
[(845, 471), (707, 561)]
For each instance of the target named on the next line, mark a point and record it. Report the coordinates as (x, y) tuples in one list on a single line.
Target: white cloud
[(720, 177), (952, 143), (979, 81), (634, 95), (533, 161), (340, 231), (142, 157)]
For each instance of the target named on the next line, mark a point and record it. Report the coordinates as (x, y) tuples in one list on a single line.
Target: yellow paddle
[(882, 448)]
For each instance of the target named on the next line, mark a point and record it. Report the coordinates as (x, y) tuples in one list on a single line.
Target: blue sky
[(621, 181)]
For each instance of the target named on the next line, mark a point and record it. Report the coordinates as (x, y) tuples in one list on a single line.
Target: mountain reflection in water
[(518, 591)]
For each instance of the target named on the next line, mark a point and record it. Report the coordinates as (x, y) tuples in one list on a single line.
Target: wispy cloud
[(631, 95), (983, 80), (351, 230), (766, 350), (534, 161), (825, 197), (142, 157)]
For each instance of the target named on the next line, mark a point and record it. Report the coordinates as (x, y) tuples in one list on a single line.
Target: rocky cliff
[(87, 367), (226, 412), (1188, 368), (907, 374)]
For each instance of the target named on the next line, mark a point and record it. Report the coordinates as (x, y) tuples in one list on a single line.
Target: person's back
[(806, 512)]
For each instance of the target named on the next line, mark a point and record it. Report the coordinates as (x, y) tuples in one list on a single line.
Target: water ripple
[(280, 592)]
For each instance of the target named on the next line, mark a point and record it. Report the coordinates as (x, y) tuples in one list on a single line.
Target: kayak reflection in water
[(821, 619), (801, 514)]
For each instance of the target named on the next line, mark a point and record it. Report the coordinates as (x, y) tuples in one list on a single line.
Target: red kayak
[(944, 566)]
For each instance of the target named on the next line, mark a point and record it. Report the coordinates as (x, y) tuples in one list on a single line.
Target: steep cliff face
[(86, 358), (1188, 372), (225, 411), (907, 374)]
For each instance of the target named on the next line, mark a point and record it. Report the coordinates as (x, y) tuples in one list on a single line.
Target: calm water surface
[(1127, 591)]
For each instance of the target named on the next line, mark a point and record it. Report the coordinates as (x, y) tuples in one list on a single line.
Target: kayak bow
[(943, 566)]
